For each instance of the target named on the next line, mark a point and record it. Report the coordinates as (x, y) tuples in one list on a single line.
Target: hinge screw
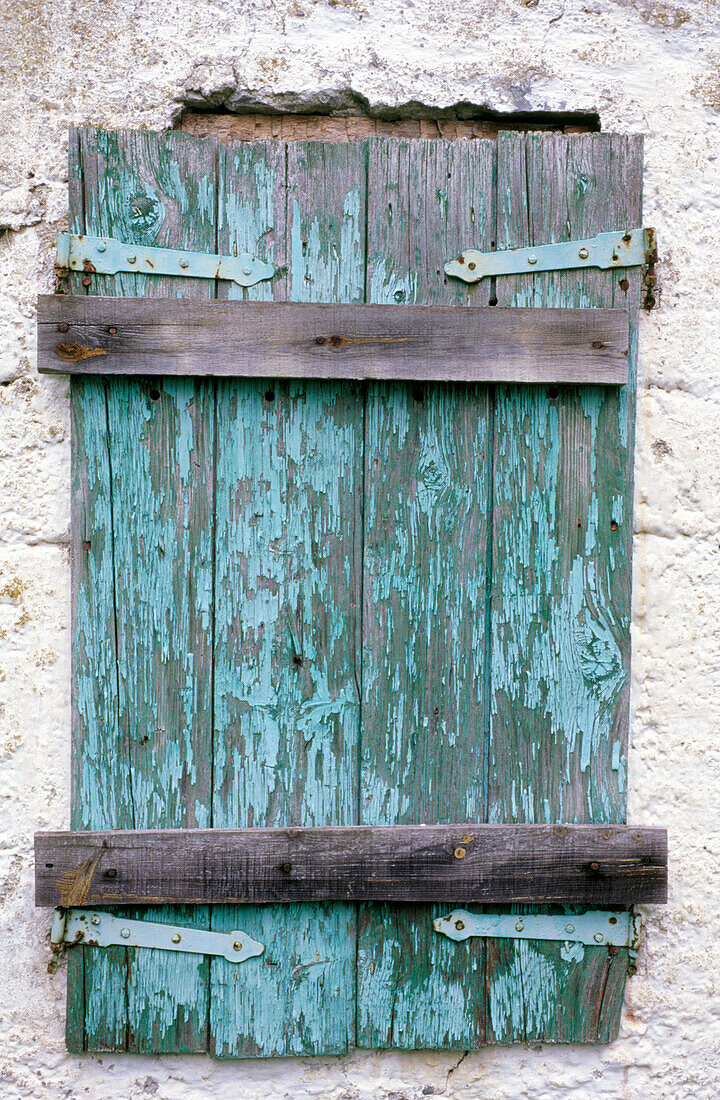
[(247, 270), (460, 853), (570, 928), (96, 919), (176, 938), (583, 253), (519, 925), (125, 933), (101, 246), (459, 924), (237, 946), (532, 259), (598, 937), (131, 259)]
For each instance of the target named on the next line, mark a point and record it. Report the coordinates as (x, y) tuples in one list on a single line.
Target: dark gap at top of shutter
[(416, 122)]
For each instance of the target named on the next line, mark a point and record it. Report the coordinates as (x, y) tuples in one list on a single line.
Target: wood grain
[(289, 466), (386, 613), (589, 865), (560, 601), (424, 588), (144, 473), (303, 340)]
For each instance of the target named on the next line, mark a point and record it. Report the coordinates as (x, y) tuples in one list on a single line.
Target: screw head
[(131, 259), (63, 326), (598, 937), (102, 246), (95, 919), (125, 933), (459, 924), (184, 264), (176, 938), (583, 253), (237, 945), (247, 270), (460, 853), (532, 259), (570, 928), (519, 925)]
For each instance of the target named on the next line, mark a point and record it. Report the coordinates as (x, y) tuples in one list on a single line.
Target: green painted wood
[(560, 600), (287, 600), (312, 647), (424, 592), (143, 740)]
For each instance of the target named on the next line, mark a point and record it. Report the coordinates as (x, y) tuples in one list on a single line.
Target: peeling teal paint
[(320, 485)]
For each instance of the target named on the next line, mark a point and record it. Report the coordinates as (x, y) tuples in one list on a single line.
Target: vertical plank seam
[(213, 571), (360, 632), (487, 656), (521, 951), (117, 682)]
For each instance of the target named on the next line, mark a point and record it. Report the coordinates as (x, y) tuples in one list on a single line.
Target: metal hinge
[(98, 929), (575, 930), (621, 248), (107, 256)]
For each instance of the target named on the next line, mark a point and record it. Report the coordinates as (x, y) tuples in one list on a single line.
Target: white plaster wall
[(645, 66)]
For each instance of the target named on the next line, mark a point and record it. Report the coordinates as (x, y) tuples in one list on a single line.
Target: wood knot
[(75, 353)]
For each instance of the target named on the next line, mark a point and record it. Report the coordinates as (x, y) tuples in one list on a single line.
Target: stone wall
[(642, 65)]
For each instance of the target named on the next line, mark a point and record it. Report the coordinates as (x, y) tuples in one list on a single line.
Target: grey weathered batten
[(157, 336), (566, 864)]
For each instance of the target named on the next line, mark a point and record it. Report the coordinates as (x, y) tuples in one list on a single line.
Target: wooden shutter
[(335, 603)]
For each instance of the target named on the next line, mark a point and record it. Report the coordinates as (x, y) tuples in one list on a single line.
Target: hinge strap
[(107, 256), (575, 930), (95, 928), (620, 248)]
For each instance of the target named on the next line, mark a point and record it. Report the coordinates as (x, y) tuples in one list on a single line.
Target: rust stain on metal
[(75, 353), (74, 886)]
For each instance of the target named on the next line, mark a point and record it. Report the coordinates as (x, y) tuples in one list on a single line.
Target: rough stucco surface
[(644, 65)]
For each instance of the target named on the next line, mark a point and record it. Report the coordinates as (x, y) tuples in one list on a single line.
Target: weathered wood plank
[(301, 340), (424, 580), (286, 602), (590, 865), (157, 446), (562, 524)]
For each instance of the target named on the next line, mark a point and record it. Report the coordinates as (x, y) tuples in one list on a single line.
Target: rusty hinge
[(95, 928), (618, 249), (107, 256)]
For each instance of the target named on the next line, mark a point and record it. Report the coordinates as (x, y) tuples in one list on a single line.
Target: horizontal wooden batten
[(587, 865), (166, 336)]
